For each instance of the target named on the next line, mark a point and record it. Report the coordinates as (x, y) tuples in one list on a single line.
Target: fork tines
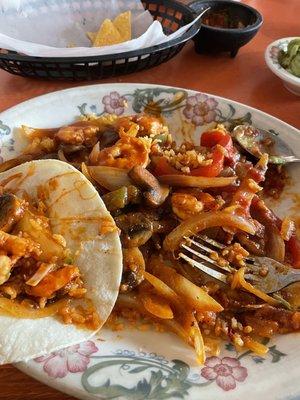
[(198, 251), (200, 259)]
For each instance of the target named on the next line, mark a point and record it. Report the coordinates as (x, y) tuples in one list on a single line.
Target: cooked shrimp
[(185, 205), (126, 126), (5, 268), (149, 125), (80, 133), (126, 153), (54, 281), (18, 246)]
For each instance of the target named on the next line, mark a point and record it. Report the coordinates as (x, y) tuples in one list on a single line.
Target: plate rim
[(59, 385), (146, 85)]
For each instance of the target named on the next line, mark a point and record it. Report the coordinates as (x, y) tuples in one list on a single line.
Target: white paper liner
[(28, 27)]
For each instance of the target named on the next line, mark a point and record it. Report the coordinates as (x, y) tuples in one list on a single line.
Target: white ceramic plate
[(290, 81), (133, 364)]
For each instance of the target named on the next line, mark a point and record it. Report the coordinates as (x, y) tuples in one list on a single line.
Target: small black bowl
[(212, 39)]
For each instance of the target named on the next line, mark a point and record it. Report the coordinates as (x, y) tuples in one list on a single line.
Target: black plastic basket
[(172, 16)]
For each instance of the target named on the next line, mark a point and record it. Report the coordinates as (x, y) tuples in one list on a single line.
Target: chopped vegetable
[(11, 211), (156, 305), (117, 199), (154, 193), (196, 181), (136, 229), (293, 246), (193, 295), (33, 227), (239, 281), (109, 177), (54, 281), (203, 221), (215, 168)]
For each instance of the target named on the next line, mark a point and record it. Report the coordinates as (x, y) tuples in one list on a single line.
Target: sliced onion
[(40, 274), (128, 300), (175, 327), (109, 177), (156, 305), (202, 221), (275, 246), (13, 162), (162, 288), (32, 133), (17, 310), (238, 281), (198, 341), (85, 171), (255, 347), (191, 295), (61, 156), (287, 229), (93, 157), (201, 182)]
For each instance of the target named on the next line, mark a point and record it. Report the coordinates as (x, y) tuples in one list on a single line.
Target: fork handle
[(290, 159), (292, 277)]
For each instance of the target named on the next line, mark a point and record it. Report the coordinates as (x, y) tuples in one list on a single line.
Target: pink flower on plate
[(274, 51), (200, 109), (225, 371), (71, 359), (114, 103)]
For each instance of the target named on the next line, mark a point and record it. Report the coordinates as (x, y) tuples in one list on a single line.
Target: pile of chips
[(112, 32)]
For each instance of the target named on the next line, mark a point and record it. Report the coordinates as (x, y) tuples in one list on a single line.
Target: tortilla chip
[(123, 23), (91, 36), (107, 35)]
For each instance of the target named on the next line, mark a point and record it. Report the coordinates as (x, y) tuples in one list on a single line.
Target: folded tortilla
[(76, 211)]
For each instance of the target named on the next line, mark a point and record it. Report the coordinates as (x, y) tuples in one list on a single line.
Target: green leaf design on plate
[(161, 380), (148, 100), (276, 354), (82, 109), (4, 129), (182, 368), (137, 369)]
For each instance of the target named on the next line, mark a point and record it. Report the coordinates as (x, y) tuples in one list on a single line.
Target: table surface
[(245, 78)]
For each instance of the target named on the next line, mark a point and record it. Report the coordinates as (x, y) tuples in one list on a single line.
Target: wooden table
[(245, 78)]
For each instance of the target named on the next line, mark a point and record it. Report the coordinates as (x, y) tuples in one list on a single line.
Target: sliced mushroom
[(71, 148), (11, 211), (108, 138), (136, 229), (80, 133), (133, 269), (49, 156), (154, 193)]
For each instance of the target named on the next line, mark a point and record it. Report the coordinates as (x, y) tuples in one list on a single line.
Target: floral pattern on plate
[(154, 376), (72, 359), (200, 110), (225, 371), (5, 141)]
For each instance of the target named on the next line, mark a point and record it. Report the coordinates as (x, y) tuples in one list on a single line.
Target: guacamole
[(290, 59)]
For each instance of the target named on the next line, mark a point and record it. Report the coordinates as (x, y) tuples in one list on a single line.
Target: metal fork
[(263, 273)]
